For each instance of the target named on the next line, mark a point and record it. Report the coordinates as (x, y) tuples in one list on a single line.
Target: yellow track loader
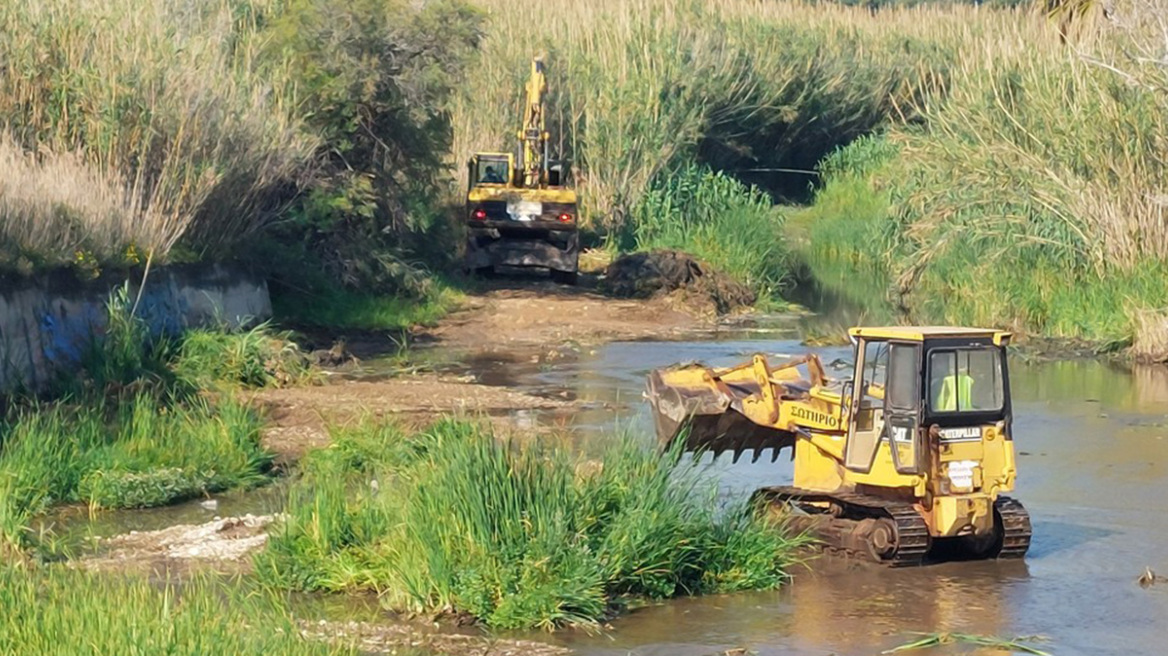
[(523, 213), (909, 456)]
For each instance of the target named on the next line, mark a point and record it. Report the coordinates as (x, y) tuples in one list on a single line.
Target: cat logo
[(970, 434), (811, 415)]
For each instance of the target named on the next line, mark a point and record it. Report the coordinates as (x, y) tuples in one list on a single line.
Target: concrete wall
[(47, 321)]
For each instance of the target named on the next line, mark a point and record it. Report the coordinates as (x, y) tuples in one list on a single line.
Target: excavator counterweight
[(909, 456)]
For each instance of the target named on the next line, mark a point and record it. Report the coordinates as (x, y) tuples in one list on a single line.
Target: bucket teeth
[(706, 415)]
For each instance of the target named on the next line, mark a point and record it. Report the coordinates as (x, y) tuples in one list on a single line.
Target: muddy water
[(1093, 463)]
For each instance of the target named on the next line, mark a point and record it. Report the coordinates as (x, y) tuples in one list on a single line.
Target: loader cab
[(914, 385)]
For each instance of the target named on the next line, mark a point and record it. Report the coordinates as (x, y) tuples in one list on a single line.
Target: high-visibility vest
[(956, 391)]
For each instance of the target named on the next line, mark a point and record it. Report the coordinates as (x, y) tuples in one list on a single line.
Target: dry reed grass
[(158, 109)]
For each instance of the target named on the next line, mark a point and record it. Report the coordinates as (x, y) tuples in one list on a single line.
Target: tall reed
[(643, 86), (130, 125)]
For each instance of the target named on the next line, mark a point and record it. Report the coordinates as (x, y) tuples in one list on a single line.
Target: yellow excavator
[(907, 458), (522, 213)]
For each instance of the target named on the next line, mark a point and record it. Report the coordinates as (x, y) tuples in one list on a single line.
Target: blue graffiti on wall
[(66, 335)]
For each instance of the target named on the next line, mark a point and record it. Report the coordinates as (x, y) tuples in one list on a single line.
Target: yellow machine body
[(520, 211), (922, 424)]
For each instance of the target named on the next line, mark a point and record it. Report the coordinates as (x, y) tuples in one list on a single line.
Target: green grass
[(136, 452), (450, 518), (340, 308), (255, 357), (133, 427), (57, 612)]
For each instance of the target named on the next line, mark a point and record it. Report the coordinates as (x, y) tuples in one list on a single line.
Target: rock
[(336, 356)]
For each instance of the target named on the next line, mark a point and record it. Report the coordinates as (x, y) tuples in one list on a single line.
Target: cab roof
[(920, 333)]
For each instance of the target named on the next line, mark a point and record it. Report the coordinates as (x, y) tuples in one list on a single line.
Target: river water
[(1093, 471)]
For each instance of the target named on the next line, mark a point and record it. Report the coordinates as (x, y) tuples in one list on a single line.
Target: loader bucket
[(691, 405)]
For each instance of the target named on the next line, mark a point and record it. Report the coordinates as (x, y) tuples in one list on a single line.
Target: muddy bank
[(299, 417), (512, 323), (668, 273), (516, 313), (377, 638)]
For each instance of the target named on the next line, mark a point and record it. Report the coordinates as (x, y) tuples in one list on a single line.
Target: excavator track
[(910, 540), (1016, 529)]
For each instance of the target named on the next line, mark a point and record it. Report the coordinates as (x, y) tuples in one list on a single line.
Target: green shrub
[(451, 518), (372, 79)]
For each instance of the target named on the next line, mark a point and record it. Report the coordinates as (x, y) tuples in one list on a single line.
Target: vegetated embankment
[(1028, 195), (141, 420)]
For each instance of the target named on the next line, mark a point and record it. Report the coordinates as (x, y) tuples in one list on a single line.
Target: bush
[(450, 518), (373, 78)]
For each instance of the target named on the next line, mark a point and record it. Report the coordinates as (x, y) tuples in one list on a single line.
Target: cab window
[(492, 171), (875, 373), (965, 380), (904, 378)]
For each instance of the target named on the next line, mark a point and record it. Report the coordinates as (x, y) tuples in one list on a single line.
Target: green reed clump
[(131, 429), (450, 518), (59, 612), (720, 220), (254, 357)]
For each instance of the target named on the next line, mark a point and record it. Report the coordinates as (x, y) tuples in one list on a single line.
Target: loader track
[(1016, 529), (912, 540)]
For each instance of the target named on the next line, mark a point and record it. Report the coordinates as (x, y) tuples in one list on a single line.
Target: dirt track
[(516, 321)]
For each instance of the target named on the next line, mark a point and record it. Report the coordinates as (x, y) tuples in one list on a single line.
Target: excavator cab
[(911, 451)]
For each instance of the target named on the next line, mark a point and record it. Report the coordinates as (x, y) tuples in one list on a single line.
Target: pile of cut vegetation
[(662, 272), (452, 519)]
